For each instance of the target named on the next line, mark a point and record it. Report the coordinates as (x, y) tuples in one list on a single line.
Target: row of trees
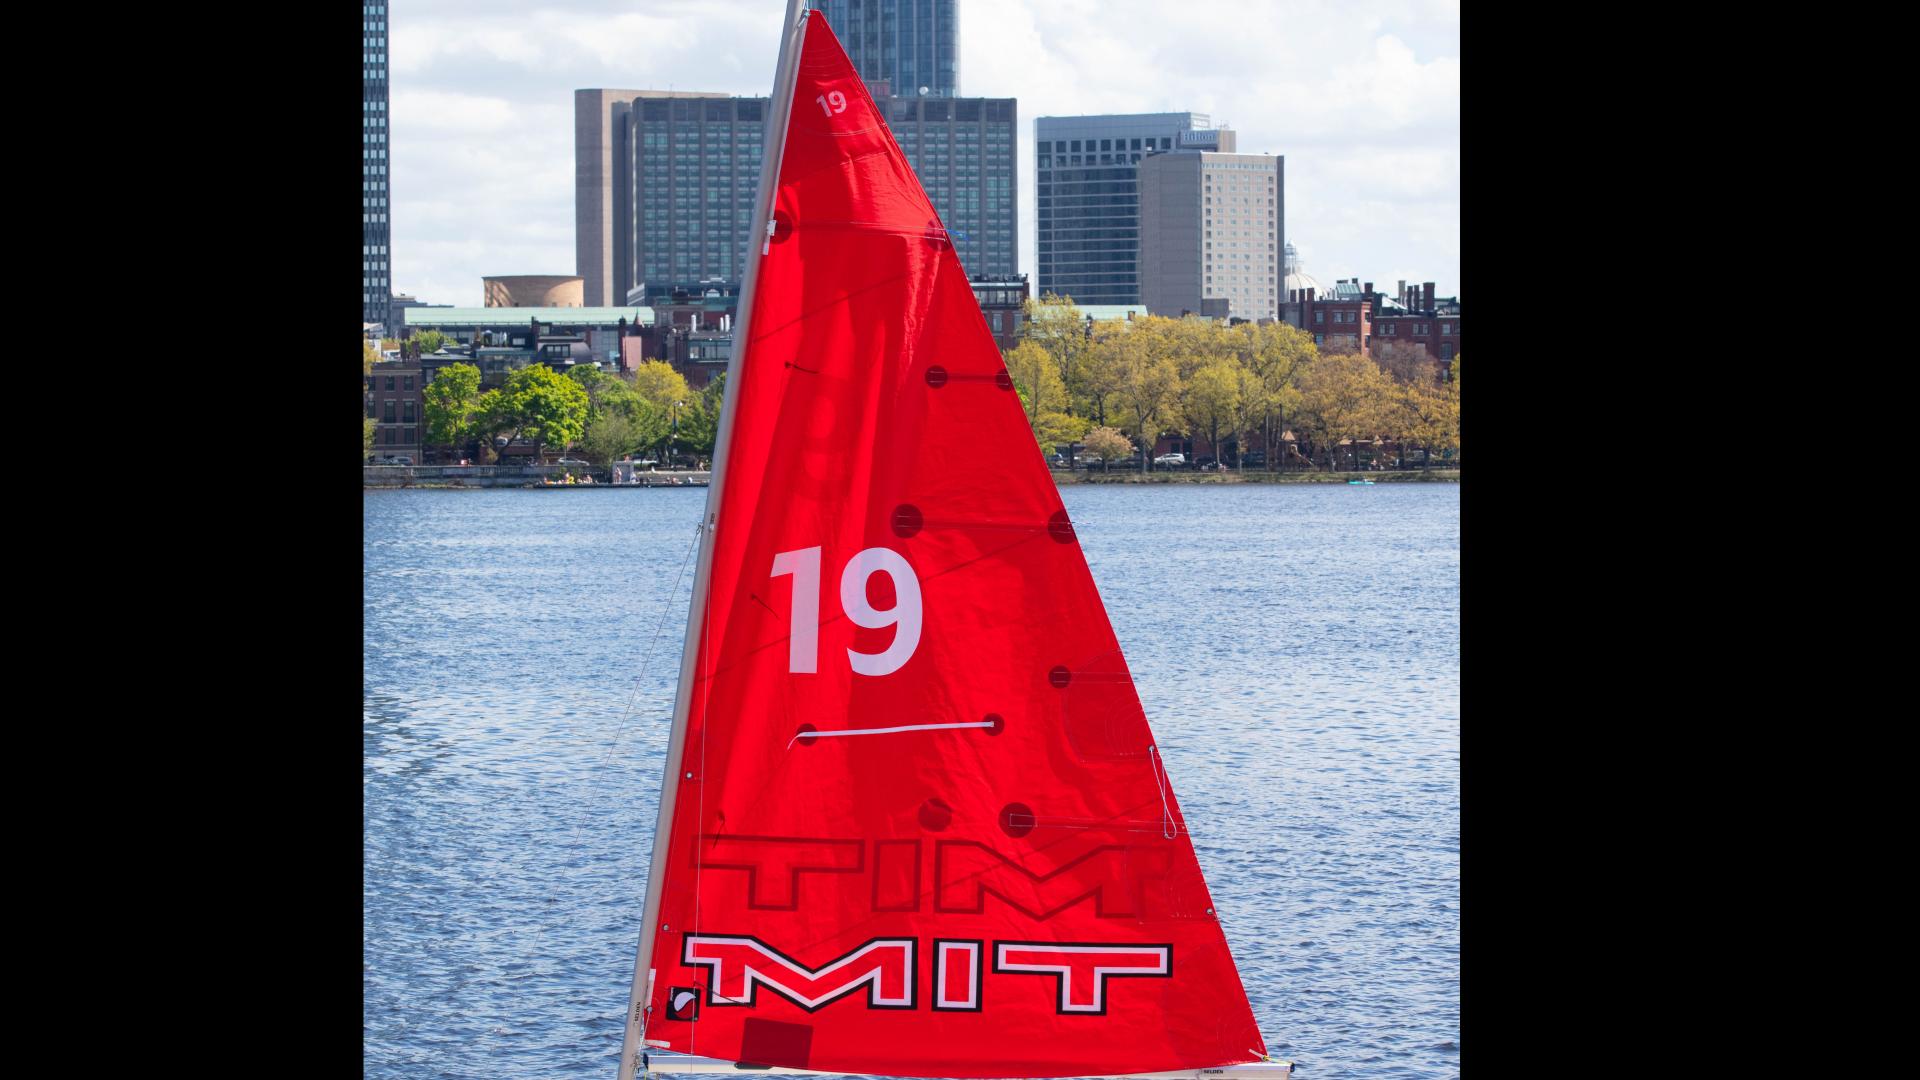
[(603, 416), (1148, 377)]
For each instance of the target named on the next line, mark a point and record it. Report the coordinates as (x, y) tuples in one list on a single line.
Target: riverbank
[(516, 476), (1256, 476), (536, 476)]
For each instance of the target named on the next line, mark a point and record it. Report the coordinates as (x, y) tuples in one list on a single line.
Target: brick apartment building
[(395, 404), (1416, 315), (1002, 300)]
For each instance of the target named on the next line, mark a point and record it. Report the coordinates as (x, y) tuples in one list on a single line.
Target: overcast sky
[(1361, 97)]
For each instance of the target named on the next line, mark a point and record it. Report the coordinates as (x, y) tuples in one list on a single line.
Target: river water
[(1296, 648)]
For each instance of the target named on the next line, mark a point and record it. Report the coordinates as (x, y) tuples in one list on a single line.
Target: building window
[(1446, 351), (373, 408), (388, 417), (1319, 317), (1319, 339), (389, 382), (1446, 328), (409, 382), (406, 414)]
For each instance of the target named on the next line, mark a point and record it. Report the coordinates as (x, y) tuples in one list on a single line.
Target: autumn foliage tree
[(1153, 377)]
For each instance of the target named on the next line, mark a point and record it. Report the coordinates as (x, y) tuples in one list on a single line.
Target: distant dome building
[(535, 290), (1298, 279)]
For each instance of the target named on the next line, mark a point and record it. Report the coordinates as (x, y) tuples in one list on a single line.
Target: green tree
[(368, 357), (701, 428), (1105, 444), (1274, 355), (658, 384), (1037, 378), (429, 341), (537, 403), (1057, 327), (1213, 400), (1343, 396), (451, 400), (1097, 378), (1406, 362), (1150, 383), (610, 435)]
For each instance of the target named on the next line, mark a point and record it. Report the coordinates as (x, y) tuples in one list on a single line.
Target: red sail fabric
[(852, 885)]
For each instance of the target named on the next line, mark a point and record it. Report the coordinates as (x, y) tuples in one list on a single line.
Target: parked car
[(572, 461), (1204, 463), (393, 459), (1175, 458), (1255, 460)]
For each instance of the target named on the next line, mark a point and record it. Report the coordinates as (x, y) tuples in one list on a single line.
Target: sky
[(1361, 97)]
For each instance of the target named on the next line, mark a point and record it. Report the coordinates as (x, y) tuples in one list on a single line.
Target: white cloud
[(1362, 97)]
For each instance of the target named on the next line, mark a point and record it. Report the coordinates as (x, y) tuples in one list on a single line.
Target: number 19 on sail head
[(803, 647)]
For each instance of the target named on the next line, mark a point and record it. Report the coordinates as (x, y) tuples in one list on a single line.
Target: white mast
[(778, 108)]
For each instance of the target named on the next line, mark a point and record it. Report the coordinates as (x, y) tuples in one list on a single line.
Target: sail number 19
[(803, 643), (832, 102)]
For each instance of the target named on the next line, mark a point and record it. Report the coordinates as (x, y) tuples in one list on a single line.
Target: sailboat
[(914, 821)]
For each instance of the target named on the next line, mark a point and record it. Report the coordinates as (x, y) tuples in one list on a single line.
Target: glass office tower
[(376, 279), (900, 46), (1087, 200)]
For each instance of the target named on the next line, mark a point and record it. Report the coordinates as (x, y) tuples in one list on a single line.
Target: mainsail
[(916, 821)]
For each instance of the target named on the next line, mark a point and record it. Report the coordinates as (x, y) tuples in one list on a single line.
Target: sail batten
[(915, 821)]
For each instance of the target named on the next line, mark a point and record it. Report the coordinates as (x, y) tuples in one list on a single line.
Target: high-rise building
[(902, 48), (1211, 230), (1087, 211), (603, 188), (665, 183), (376, 284), (963, 150)]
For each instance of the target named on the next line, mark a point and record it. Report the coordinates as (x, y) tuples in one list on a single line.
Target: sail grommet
[(780, 227), (805, 729), (1016, 819), (907, 520), (995, 723), (1003, 380), (1060, 527), (936, 376), (1060, 676)]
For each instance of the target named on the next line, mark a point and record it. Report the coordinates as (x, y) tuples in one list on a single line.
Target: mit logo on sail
[(737, 966)]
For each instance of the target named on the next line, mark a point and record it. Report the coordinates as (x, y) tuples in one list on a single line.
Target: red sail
[(921, 826)]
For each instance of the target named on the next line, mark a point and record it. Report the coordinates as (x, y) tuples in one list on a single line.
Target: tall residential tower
[(1087, 200), (1211, 230), (376, 277)]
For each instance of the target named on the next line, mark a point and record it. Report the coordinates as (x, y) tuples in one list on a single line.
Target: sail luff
[(779, 109)]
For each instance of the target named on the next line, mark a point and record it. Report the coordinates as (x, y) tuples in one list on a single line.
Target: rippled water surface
[(1296, 648)]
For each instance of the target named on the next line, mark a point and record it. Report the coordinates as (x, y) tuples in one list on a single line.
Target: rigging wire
[(647, 662)]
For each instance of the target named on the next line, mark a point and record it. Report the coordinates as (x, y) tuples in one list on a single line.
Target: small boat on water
[(1369, 483)]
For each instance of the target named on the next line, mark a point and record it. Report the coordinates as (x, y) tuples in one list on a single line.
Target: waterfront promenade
[(548, 476)]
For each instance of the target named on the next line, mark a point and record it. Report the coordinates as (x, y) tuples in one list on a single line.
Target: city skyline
[(1362, 100)]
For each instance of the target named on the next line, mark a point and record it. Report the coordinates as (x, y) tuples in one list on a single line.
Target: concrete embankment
[(535, 476), (512, 476), (1255, 476)]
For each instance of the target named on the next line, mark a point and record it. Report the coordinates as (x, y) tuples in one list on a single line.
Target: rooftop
[(1102, 312), (521, 316)]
